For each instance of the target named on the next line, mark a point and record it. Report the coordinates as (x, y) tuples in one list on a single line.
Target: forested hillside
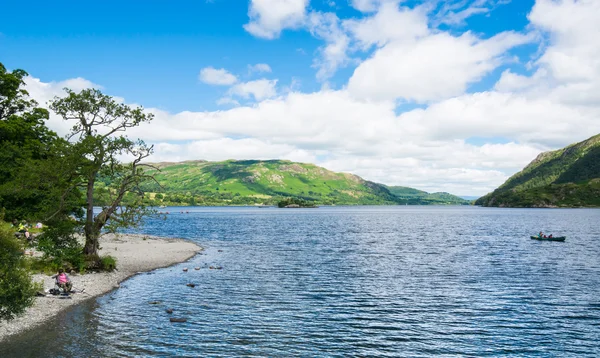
[(419, 197), (568, 177)]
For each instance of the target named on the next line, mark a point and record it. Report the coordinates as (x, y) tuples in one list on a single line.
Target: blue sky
[(495, 54), (152, 54)]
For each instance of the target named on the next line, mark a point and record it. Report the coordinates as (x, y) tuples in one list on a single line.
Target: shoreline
[(135, 254)]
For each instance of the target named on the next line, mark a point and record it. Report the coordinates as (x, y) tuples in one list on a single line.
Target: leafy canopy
[(98, 143)]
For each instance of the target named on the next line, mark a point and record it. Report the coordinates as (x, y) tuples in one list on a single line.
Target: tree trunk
[(91, 246), (91, 234)]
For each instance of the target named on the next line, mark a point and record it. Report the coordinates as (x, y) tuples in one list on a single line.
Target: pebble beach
[(134, 254)]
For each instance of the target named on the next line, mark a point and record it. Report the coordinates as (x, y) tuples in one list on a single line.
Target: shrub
[(16, 288), (108, 263), (61, 248)]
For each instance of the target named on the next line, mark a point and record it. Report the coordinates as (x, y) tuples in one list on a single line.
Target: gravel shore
[(133, 254)]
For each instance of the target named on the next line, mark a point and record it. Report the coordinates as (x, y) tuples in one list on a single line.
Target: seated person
[(63, 281), (541, 234), (550, 236)]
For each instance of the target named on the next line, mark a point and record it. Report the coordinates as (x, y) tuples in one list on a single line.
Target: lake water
[(400, 281)]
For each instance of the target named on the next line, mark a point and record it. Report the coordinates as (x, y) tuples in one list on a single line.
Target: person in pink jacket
[(63, 281)]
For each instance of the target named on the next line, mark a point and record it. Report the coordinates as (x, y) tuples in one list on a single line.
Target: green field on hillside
[(266, 182)]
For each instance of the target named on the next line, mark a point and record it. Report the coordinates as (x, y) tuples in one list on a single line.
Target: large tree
[(98, 148)]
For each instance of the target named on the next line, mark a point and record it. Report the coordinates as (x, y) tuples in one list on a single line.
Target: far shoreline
[(135, 254)]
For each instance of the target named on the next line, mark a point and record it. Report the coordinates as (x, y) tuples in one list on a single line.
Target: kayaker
[(550, 236), (540, 235)]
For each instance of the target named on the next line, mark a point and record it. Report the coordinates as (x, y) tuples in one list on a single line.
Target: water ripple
[(339, 282)]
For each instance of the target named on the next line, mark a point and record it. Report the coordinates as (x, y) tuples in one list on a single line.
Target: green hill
[(267, 182), (250, 182), (419, 197), (568, 177)]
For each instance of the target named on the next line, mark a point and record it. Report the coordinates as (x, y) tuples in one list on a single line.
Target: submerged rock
[(169, 310), (154, 302), (172, 319), (191, 285)]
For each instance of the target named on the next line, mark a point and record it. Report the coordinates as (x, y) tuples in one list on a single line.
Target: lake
[(351, 281)]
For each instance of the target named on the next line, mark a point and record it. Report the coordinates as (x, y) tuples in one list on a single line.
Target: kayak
[(559, 238)]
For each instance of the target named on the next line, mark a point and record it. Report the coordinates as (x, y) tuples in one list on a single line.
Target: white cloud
[(421, 148), (433, 68), (269, 17), (333, 55), (227, 148), (366, 5), (357, 129), (259, 67), (391, 23), (214, 76), (574, 54), (258, 89), (569, 68), (43, 92), (455, 12), (227, 101), (490, 114), (513, 82)]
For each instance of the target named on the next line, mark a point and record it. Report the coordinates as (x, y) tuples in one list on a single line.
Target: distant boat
[(559, 238), (162, 206)]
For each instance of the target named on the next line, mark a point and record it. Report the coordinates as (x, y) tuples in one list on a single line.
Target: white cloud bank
[(356, 129)]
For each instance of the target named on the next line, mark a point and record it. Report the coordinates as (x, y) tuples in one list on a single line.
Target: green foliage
[(31, 156), (565, 178), (584, 169), (418, 197), (108, 263), (406, 192), (16, 288), (295, 201), (60, 248), (96, 146)]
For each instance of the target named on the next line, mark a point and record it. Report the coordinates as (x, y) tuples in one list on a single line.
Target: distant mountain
[(262, 182), (568, 177), (419, 197), (267, 182)]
